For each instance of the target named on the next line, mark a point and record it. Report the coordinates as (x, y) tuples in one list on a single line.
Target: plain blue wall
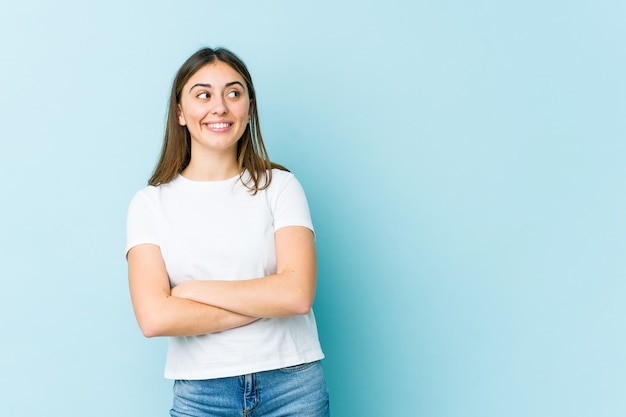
[(464, 163)]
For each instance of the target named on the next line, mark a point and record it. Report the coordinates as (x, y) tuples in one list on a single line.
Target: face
[(215, 108)]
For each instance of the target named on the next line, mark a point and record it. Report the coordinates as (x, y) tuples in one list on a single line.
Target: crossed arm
[(200, 307)]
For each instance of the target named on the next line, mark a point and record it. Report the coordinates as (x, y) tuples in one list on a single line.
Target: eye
[(203, 95), (234, 94)]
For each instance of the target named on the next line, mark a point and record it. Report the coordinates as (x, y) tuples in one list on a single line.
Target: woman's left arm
[(289, 292)]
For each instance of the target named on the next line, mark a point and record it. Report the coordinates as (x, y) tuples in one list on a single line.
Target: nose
[(219, 105)]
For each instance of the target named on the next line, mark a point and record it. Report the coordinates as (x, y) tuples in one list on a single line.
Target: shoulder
[(281, 176), (153, 192), (287, 201), (283, 181), (149, 198), (146, 194), (269, 181), (285, 187)]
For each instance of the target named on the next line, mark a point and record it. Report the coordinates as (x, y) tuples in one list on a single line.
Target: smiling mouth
[(220, 125)]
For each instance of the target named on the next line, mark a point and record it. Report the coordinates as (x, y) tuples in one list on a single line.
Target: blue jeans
[(293, 391)]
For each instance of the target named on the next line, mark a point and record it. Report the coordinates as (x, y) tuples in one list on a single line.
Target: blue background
[(464, 163)]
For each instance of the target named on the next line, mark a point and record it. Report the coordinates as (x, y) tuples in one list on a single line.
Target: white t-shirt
[(219, 230)]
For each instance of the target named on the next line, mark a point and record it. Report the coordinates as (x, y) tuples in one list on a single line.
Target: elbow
[(297, 299), (149, 332), (150, 327), (302, 310), (301, 306)]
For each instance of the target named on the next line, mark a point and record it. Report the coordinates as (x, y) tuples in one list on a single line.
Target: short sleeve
[(141, 222), (289, 202)]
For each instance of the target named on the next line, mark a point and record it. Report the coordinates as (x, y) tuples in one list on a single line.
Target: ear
[(181, 117)]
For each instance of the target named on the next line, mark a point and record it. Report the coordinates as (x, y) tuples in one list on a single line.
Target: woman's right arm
[(158, 312)]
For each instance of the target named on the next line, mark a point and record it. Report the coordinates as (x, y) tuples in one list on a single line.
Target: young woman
[(221, 256)]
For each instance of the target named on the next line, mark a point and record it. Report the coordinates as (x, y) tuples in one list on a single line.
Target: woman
[(221, 256)]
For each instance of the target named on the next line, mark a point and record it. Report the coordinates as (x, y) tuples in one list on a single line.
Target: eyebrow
[(210, 86)]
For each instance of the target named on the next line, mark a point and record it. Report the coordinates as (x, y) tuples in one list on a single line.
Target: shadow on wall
[(368, 316)]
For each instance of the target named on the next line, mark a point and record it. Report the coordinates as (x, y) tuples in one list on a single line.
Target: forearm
[(271, 296), (173, 316), (158, 312)]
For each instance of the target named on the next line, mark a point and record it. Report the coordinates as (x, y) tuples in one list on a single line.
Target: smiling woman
[(221, 256), (215, 108), (176, 153)]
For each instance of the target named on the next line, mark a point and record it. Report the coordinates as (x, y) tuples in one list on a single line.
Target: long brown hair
[(176, 151)]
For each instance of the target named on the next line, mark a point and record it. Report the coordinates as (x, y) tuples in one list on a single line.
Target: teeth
[(218, 125)]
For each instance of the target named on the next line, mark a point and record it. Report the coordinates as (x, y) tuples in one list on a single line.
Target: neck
[(213, 170)]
